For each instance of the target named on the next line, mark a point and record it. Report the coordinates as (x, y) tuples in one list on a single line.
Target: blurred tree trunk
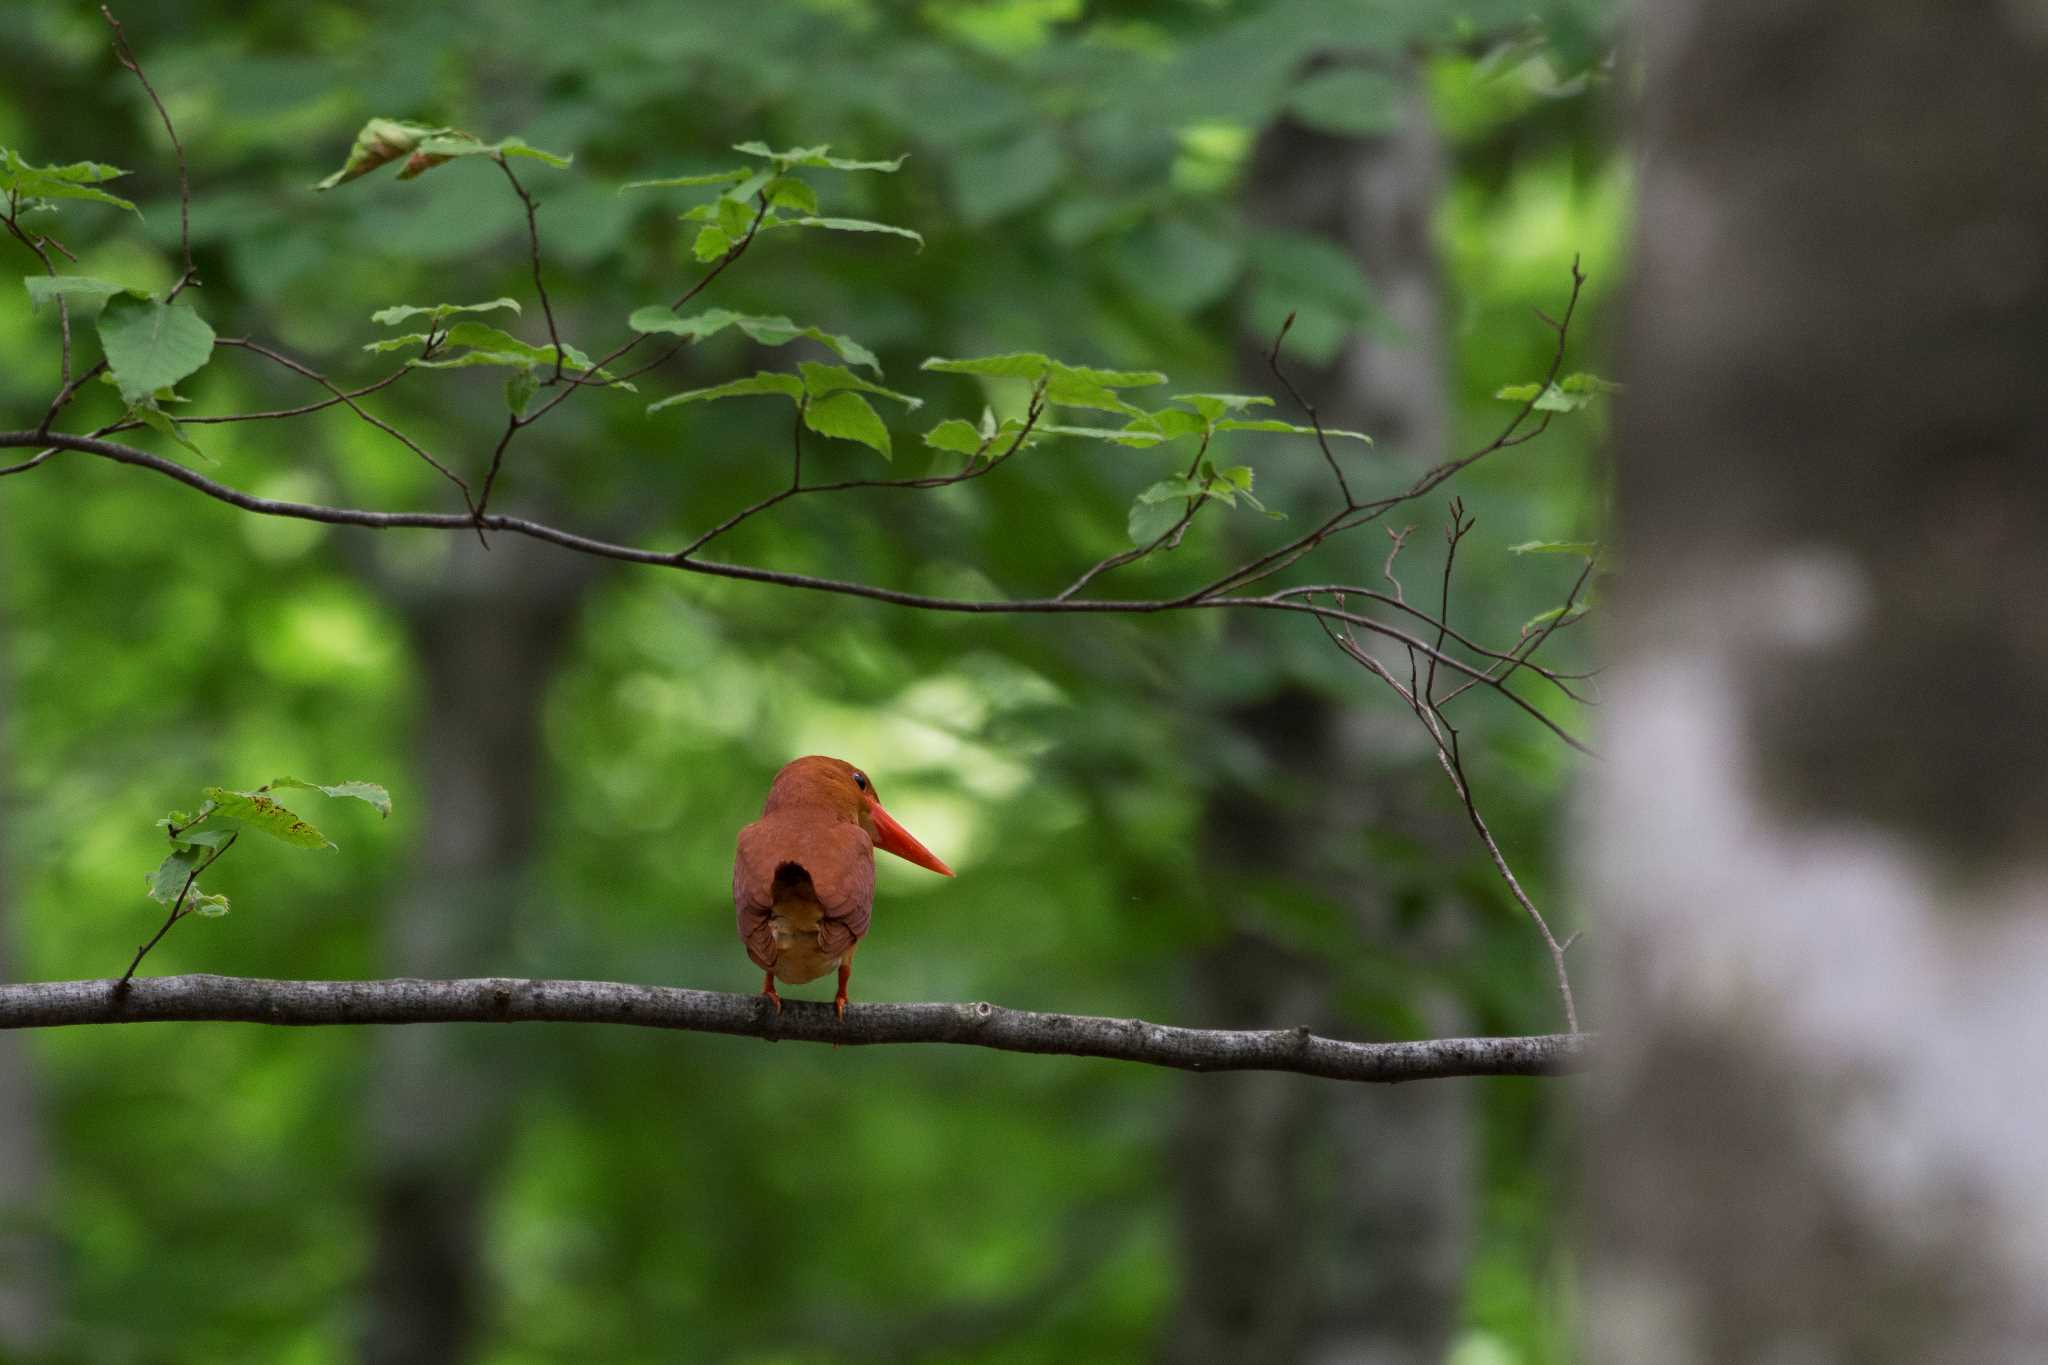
[(1818, 841), (27, 1283), (1324, 1223), (488, 636)]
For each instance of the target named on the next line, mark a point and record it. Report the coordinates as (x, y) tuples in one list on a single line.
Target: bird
[(803, 881)]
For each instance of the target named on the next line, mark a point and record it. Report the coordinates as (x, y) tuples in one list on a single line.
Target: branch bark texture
[(510, 1000)]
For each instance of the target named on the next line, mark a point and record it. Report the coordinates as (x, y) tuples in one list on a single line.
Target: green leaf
[(1179, 486), (1569, 394), (1170, 423), (1123, 436), (682, 182), (167, 883), (151, 345), (262, 813), (1584, 549), (849, 417), (206, 903), (161, 422), (788, 192), (369, 793), (735, 219), (492, 346), (519, 390), (379, 142), (815, 156), (766, 382), (1544, 618), (712, 242), (434, 312), (955, 435), (1214, 405), (1108, 379), (1291, 428), (448, 144), (85, 293), (820, 380), (1151, 520), (1588, 385), (860, 225), (768, 331), (1348, 101), (1015, 365), (75, 181), (1066, 390)]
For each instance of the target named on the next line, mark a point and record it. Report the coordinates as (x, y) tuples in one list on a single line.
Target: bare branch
[(47, 1004), (127, 59)]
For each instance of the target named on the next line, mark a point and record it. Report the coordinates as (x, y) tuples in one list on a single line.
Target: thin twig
[(127, 59), (177, 910)]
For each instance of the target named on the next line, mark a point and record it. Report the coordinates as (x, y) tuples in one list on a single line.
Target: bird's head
[(836, 787)]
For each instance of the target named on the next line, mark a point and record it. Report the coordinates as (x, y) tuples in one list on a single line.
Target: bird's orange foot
[(839, 1005), (768, 991)]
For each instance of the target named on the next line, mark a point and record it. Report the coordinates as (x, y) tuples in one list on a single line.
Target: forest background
[(1201, 821)]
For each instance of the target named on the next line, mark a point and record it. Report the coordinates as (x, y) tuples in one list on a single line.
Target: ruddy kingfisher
[(803, 883)]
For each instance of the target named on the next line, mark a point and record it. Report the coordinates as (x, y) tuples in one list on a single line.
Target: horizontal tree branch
[(487, 1000)]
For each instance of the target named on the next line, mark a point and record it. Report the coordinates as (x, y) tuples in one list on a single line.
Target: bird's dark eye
[(860, 779)]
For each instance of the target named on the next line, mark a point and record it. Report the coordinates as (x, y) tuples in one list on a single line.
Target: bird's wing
[(840, 859), (753, 891)]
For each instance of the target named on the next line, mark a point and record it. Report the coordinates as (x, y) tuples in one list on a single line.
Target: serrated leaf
[(1123, 436), (1169, 423), (162, 423), (167, 883), (1582, 382), (1214, 405), (83, 291), (520, 389), (1014, 365), (1069, 391), (683, 182), (850, 417), (1151, 520), (448, 144), (734, 218), (379, 142), (264, 814), (369, 793), (493, 346), (788, 192), (955, 435), (815, 156), (206, 903), (766, 382), (768, 331), (1290, 428), (151, 345), (820, 380), (434, 312), (75, 181), (1179, 486), (1555, 397), (859, 225), (1108, 379), (712, 242), (1544, 618), (1584, 549)]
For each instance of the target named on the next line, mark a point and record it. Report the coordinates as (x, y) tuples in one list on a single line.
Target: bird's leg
[(845, 970), (768, 989)]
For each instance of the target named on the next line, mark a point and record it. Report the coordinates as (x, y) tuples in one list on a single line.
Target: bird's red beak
[(893, 838)]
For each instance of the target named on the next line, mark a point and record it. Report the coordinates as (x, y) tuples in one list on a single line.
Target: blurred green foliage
[(1076, 173)]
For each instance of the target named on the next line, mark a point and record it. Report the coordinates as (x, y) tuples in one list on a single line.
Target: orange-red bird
[(804, 880)]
